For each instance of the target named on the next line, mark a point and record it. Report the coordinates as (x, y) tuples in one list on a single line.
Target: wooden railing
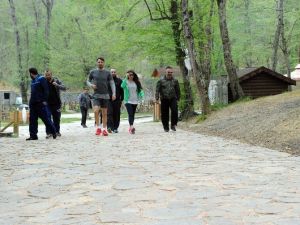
[(12, 122)]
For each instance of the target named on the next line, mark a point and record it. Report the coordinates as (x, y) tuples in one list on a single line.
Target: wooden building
[(7, 97), (261, 81)]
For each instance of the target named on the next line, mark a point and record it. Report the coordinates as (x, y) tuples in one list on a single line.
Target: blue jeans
[(131, 108)]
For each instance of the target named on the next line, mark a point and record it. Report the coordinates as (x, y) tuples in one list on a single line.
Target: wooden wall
[(262, 85)]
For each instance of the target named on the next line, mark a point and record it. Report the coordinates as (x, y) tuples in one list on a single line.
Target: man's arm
[(157, 90), (177, 90), (57, 83), (89, 81), (45, 88), (121, 91)]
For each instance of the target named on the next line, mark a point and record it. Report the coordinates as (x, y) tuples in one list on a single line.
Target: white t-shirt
[(133, 97)]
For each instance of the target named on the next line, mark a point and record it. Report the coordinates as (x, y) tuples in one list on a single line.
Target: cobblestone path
[(151, 178)]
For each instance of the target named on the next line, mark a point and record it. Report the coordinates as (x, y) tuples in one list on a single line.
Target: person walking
[(168, 91), (38, 105), (133, 92), (99, 79), (54, 101), (84, 103), (114, 108)]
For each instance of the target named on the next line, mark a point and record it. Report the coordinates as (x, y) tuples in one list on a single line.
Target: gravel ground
[(272, 122)]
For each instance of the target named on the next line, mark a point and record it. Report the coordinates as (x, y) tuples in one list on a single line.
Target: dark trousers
[(38, 110), (131, 108), (167, 104), (84, 113), (55, 115), (113, 114)]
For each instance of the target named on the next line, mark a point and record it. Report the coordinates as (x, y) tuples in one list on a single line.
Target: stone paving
[(150, 178)]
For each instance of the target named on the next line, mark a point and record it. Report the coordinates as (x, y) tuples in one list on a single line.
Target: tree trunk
[(188, 104), (235, 87), (49, 5), (202, 84), (285, 50), (22, 77), (277, 34), (85, 67), (248, 44)]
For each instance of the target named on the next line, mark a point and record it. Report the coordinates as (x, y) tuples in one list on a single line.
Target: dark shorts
[(102, 103)]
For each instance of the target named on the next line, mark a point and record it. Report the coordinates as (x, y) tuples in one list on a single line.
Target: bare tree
[(235, 87), (49, 5), (22, 76), (188, 108), (277, 34)]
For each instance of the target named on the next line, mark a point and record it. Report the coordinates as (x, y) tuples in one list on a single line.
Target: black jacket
[(167, 89)]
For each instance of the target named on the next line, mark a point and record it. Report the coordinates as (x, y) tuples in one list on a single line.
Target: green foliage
[(218, 106), (123, 33), (201, 118)]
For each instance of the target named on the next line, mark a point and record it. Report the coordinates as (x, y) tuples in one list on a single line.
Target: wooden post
[(156, 112), (16, 123)]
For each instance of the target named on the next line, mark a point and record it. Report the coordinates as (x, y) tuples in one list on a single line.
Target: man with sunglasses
[(168, 91)]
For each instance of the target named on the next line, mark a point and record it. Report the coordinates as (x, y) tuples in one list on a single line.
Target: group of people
[(45, 103), (109, 93)]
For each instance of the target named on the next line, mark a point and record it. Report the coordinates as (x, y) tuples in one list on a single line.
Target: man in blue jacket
[(38, 106)]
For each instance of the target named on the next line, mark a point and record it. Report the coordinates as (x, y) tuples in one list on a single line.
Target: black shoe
[(173, 128), (116, 131), (58, 134), (54, 136), (48, 136), (84, 126), (166, 130), (31, 138)]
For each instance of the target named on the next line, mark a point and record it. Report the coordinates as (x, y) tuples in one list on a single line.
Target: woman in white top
[(133, 92)]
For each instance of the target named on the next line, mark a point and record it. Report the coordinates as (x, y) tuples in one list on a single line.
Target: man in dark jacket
[(168, 90), (54, 101), (114, 108), (38, 105), (84, 103)]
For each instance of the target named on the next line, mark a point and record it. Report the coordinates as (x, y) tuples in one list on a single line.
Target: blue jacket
[(39, 90)]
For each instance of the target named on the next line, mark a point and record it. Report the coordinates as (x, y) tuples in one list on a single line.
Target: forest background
[(66, 36)]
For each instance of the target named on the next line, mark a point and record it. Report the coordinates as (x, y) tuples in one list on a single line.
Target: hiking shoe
[(109, 130), (173, 128), (104, 133), (48, 136), (98, 131), (31, 138)]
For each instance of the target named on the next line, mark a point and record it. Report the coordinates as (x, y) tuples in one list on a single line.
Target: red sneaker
[(104, 133), (98, 131), (133, 130)]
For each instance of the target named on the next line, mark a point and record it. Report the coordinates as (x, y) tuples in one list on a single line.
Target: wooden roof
[(250, 72)]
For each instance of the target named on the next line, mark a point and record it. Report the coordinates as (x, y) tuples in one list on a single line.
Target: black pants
[(167, 104), (113, 114), (84, 113), (38, 110), (55, 115), (131, 108)]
